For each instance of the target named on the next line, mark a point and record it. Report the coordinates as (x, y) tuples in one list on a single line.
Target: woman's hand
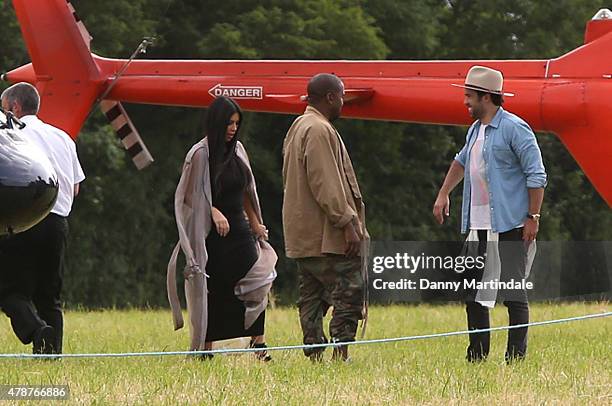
[(260, 231), (221, 223)]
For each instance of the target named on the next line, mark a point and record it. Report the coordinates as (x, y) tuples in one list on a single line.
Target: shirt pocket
[(503, 157)]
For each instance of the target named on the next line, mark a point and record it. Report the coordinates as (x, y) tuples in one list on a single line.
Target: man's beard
[(476, 113), (335, 115)]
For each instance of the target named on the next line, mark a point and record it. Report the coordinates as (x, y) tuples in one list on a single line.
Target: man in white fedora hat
[(503, 188)]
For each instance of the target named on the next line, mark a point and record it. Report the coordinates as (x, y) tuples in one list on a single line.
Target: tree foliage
[(122, 226)]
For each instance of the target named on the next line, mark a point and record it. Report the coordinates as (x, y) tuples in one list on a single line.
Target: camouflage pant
[(334, 280)]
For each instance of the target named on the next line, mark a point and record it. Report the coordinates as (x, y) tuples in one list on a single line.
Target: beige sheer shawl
[(192, 209)]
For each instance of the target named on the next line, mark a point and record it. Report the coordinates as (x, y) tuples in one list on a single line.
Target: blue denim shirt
[(513, 164)]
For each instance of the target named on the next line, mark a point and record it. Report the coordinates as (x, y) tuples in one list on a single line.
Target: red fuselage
[(569, 95)]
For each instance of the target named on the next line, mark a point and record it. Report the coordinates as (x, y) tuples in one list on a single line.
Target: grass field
[(566, 364)]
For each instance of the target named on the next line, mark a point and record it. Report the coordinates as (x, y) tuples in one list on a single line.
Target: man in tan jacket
[(323, 219)]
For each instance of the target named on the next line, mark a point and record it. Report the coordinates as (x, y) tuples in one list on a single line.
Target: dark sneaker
[(512, 357), (44, 340), (341, 354), (316, 357)]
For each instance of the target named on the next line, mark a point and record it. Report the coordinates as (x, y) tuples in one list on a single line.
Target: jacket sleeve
[(526, 148), (324, 178), (461, 156)]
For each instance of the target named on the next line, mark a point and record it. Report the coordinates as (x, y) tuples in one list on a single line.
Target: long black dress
[(229, 259)]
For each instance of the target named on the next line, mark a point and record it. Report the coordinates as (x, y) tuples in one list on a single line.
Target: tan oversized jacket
[(192, 209), (321, 194)]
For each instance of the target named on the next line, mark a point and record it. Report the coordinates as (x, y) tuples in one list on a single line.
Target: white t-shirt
[(480, 209), (61, 150)]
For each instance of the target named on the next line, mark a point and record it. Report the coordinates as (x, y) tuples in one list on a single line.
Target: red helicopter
[(570, 95)]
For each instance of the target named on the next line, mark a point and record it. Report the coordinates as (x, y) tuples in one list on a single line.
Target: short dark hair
[(321, 84), (25, 94), (496, 99)]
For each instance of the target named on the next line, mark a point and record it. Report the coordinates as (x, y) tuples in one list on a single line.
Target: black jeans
[(31, 274), (512, 255)]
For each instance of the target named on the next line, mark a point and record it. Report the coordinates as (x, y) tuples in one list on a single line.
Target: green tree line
[(122, 226)]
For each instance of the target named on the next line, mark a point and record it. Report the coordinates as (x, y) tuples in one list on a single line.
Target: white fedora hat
[(484, 79)]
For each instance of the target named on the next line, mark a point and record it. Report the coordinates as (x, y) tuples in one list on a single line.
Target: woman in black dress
[(231, 243)]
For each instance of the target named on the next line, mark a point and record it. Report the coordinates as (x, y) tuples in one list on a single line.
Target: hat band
[(476, 87)]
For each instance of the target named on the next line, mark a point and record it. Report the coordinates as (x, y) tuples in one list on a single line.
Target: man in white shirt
[(32, 262)]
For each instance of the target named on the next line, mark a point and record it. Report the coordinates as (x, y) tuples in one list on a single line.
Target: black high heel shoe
[(201, 357), (262, 355), (205, 357)]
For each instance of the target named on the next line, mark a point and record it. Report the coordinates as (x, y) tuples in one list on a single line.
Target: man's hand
[(441, 207), (530, 230), (353, 240), (221, 223)]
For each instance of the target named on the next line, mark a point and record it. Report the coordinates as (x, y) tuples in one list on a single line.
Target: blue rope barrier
[(305, 346)]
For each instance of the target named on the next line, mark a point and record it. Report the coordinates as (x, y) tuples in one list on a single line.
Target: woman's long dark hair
[(221, 152)]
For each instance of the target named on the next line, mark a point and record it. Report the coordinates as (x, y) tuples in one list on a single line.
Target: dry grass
[(567, 363)]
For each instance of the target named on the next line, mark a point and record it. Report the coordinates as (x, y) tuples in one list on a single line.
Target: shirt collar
[(312, 110), (29, 119), (496, 118)]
